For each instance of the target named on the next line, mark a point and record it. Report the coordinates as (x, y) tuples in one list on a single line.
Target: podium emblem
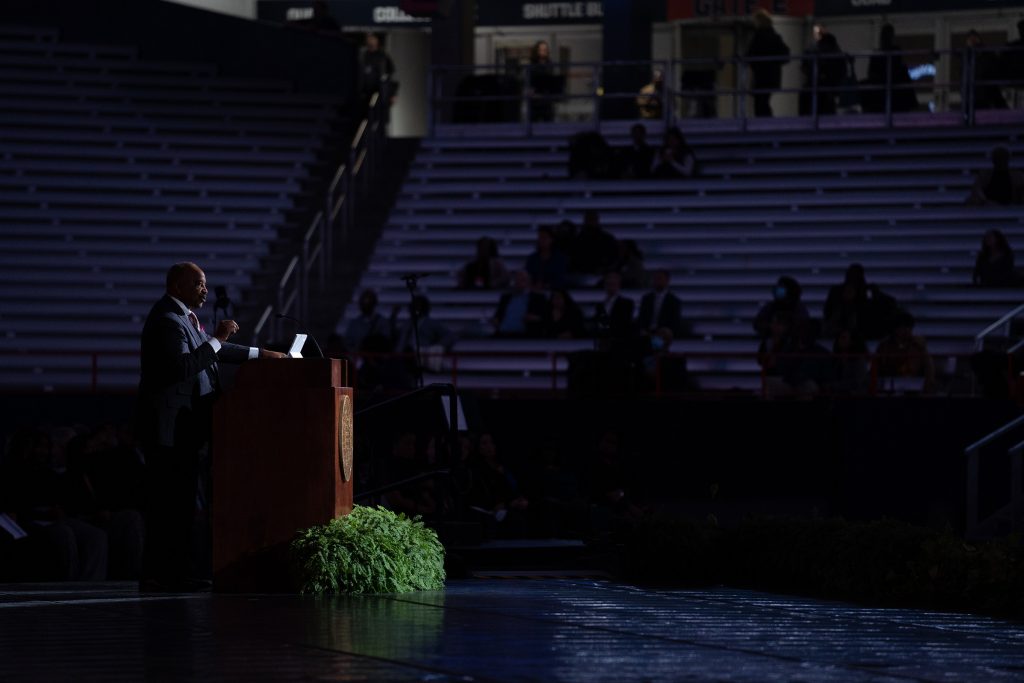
[(345, 443)]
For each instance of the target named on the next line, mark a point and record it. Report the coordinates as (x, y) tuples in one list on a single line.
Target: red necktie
[(194, 319)]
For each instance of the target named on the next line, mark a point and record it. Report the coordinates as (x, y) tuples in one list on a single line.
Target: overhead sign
[(827, 8), (523, 13), (517, 13), (714, 9), (345, 12)]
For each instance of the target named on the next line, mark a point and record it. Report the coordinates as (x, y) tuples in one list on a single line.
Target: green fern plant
[(370, 550)]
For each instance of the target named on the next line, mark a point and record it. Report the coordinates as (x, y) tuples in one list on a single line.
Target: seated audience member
[(367, 323), (649, 101), (546, 266), (594, 249), (32, 498), (486, 270), (659, 369), (675, 159), (629, 262), (850, 363), (495, 493), (794, 363), (520, 311), (785, 298), (558, 507), (612, 489), (660, 307), (994, 266), (635, 158), (105, 473), (563, 319), (565, 236), (613, 316), (903, 354), (858, 306), (412, 498), (434, 337), (999, 185)]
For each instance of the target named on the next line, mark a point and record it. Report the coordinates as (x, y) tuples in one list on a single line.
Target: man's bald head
[(187, 282)]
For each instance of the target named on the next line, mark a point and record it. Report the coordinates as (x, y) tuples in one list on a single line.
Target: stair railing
[(309, 270), (1012, 510), (1001, 325)]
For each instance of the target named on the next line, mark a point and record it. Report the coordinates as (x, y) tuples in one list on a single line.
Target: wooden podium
[(282, 462)]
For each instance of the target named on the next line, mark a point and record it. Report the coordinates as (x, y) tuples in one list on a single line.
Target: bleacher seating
[(804, 204), (112, 168)]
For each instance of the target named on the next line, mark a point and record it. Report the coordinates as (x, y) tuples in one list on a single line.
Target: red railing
[(556, 367)]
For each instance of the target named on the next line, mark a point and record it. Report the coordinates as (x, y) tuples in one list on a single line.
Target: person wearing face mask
[(178, 386), (660, 369), (785, 298)]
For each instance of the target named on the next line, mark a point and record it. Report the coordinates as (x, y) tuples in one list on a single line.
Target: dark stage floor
[(490, 630)]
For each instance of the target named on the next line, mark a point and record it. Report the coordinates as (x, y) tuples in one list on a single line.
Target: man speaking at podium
[(178, 387)]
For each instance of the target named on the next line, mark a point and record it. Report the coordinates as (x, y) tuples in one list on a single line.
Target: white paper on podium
[(296, 350)]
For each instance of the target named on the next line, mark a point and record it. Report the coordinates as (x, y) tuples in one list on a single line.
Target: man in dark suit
[(660, 307), (615, 312), (178, 387), (520, 311)]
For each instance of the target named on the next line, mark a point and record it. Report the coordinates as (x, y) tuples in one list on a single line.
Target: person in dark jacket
[(563, 318), (824, 68), (675, 159), (544, 83), (999, 185), (635, 159), (660, 308), (520, 311), (859, 307), (888, 70), (377, 71), (785, 298), (994, 266), (768, 53)]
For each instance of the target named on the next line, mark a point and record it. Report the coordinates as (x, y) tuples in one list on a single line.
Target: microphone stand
[(412, 284)]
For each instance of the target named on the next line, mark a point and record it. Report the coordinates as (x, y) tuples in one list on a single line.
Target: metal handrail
[(672, 68), (553, 368), (1002, 431), (312, 264), (973, 456), (1001, 323)]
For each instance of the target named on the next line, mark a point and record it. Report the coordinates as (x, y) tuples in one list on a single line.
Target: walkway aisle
[(477, 630)]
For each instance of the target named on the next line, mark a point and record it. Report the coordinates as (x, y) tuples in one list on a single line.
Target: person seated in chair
[(520, 311)]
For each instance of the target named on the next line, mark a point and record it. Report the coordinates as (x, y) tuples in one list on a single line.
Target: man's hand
[(267, 353), (225, 328)]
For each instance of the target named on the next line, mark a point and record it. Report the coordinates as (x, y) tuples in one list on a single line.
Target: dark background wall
[(172, 32)]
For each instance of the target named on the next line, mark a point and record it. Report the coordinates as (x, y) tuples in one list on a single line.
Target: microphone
[(304, 330)]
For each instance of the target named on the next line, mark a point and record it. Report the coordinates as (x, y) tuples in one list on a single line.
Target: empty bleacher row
[(112, 168), (802, 204)]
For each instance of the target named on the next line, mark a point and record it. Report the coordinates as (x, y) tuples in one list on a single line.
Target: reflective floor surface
[(490, 630)]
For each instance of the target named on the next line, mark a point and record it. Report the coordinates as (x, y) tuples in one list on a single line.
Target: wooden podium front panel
[(276, 457)]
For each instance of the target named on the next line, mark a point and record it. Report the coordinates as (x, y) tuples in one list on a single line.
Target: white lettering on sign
[(540, 11), (389, 14), (298, 13)]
